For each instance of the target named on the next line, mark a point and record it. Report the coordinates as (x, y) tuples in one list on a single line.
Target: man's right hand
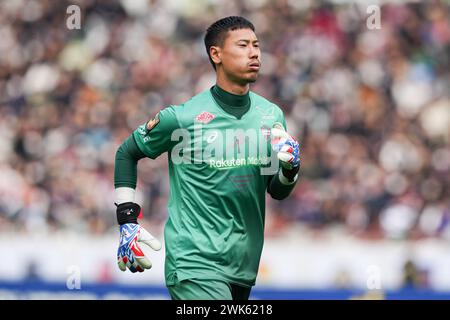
[(129, 254)]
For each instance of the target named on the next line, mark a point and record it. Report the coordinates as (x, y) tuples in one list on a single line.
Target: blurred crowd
[(370, 107)]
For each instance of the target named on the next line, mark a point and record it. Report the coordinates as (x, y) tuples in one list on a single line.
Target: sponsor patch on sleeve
[(152, 123)]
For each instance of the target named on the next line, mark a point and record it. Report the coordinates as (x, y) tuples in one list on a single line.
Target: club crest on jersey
[(205, 117), (265, 130)]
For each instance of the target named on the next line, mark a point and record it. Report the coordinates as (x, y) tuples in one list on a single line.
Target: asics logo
[(212, 137)]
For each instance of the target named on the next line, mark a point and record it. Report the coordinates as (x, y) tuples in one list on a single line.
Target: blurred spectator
[(32, 273), (414, 277)]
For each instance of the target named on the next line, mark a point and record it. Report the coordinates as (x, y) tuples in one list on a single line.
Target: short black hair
[(216, 33)]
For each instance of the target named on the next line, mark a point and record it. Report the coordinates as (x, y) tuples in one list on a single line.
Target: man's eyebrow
[(247, 41)]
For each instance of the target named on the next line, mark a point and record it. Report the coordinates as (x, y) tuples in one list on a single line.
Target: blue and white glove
[(129, 254), (287, 148)]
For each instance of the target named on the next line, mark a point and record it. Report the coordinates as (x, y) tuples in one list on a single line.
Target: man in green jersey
[(220, 147)]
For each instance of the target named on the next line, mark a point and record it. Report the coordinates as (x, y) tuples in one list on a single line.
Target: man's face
[(240, 56)]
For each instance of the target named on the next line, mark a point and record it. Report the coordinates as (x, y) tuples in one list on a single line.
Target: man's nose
[(254, 52)]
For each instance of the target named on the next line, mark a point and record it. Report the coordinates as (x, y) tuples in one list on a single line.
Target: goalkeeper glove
[(287, 148), (129, 253)]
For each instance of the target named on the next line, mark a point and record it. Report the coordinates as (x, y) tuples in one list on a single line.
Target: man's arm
[(148, 140), (281, 184), (131, 233), (125, 170), (288, 152)]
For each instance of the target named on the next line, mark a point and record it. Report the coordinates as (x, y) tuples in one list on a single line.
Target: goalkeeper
[(215, 230)]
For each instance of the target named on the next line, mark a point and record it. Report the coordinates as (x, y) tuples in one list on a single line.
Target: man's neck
[(232, 87), (230, 99)]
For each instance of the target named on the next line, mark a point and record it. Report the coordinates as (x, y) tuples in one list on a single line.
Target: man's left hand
[(287, 148)]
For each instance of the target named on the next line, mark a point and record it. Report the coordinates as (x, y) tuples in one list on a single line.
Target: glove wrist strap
[(291, 174), (128, 212)]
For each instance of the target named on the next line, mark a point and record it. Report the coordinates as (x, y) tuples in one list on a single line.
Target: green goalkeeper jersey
[(219, 173)]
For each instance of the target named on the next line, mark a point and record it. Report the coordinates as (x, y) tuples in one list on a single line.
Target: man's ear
[(215, 54)]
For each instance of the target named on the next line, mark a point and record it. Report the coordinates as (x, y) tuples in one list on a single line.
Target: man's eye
[(242, 45)]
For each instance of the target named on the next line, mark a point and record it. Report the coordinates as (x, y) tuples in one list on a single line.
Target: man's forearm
[(125, 167), (282, 184)]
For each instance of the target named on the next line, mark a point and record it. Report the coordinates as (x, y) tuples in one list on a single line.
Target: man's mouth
[(254, 66)]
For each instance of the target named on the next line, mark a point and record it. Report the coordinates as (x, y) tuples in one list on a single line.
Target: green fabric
[(198, 289), (279, 191), (160, 139), (236, 105), (125, 170), (215, 229), (125, 173), (240, 293)]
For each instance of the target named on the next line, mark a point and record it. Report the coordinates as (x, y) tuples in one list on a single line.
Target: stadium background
[(371, 109)]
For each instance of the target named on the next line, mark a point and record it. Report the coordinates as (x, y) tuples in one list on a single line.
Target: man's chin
[(252, 78), (247, 78)]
